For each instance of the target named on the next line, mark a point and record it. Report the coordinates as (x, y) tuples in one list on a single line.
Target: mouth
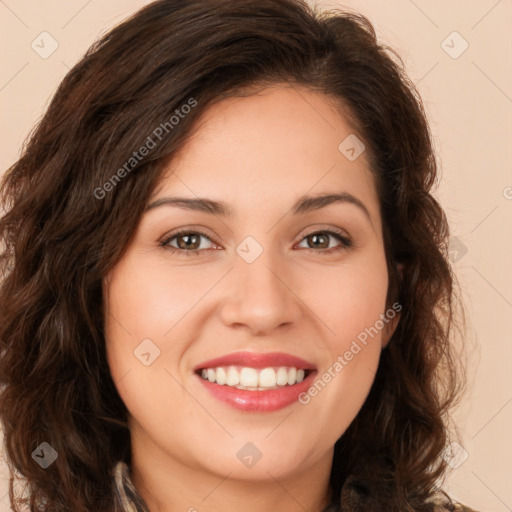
[(249, 381), (254, 379)]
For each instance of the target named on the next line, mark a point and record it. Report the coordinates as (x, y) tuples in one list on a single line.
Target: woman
[(225, 278)]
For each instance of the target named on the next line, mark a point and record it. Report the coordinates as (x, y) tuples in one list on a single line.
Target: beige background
[(469, 103)]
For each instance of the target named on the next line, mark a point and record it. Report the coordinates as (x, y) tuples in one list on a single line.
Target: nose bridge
[(259, 296)]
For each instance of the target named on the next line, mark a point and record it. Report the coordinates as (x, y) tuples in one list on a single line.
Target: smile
[(254, 379)]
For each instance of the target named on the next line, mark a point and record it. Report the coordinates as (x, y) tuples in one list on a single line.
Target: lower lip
[(260, 401)]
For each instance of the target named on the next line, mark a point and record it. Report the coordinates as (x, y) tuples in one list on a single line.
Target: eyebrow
[(303, 205)]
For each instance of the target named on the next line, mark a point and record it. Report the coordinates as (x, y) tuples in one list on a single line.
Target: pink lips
[(258, 401), (255, 360)]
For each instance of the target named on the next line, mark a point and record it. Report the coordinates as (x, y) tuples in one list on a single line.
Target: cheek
[(141, 309), (149, 312), (147, 304), (348, 300)]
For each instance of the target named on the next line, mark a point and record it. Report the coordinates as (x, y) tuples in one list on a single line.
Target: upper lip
[(257, 360)]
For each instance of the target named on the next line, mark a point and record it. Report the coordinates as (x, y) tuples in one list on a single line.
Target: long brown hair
[(70, 212)]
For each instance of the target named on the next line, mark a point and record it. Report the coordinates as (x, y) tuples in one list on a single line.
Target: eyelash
[(346, 243)]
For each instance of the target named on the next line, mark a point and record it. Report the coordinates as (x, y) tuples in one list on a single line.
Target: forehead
[(279, 143)]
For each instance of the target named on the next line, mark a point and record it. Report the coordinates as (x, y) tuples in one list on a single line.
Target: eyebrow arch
[(303, 205)]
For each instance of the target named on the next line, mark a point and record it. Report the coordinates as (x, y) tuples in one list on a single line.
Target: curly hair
[(62, 231)]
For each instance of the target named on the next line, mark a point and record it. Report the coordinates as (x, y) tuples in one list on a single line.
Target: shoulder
[(358, 495)]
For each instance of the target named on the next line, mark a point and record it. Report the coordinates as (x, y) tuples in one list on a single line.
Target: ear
[(393, 315)]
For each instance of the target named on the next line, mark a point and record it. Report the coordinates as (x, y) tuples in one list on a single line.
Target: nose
[(261, 297)]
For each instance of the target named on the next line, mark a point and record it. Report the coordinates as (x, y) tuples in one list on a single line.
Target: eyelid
[(321, 228), (187, 229)]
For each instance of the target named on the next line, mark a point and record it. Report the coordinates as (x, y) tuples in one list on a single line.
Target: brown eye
[(188, 242), (321, 240)]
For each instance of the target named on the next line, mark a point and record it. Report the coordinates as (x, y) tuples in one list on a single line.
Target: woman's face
[(265, 279)]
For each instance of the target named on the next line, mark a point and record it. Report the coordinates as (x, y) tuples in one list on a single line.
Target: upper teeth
[(243, 377)]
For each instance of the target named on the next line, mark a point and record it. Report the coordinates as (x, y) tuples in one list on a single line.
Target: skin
[(259, 154)]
